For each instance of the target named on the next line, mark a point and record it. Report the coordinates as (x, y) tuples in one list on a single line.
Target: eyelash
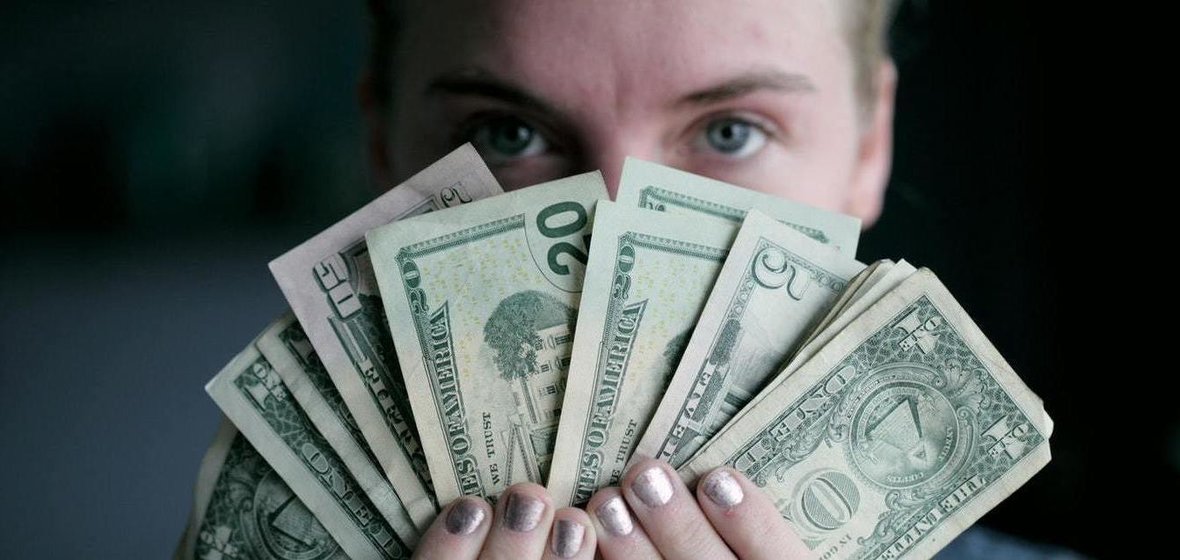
[(763, 125), (466, 129)]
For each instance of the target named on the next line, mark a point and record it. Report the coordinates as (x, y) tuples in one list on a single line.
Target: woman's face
[(759, 93)]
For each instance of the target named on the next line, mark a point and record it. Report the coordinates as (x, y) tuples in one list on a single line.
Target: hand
[(655, 515), (523, 526)]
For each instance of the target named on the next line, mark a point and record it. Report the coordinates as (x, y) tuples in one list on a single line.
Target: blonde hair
[(866, 26)]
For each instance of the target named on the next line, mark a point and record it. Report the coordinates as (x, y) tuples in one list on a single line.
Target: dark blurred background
[(155, 156)]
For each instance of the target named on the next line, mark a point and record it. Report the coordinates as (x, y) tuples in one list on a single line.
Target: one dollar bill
[(482, 301), (893, 438), (775, 285), (664, 189), (328, 280), (286, 348), (648, 278), (253, 397), (243, 509)]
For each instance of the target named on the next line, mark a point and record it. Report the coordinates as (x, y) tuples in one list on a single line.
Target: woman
[(793, 97)]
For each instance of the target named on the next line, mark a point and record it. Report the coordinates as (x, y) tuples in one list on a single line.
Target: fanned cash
[(254, 398), (329, 283), (243, 509), (286, 348), (482, 301), (664, 189), (647, 280), (894, 437), (728, 327), (775, 285)]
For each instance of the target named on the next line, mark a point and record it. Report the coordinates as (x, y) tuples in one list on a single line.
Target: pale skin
[(758, 93)]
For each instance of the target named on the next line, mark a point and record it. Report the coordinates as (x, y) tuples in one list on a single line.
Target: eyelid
[(766, 125), (697, 132), (468, 125)]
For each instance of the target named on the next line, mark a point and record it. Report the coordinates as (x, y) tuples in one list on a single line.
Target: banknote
[(657, 187), (647, 280), (254, 398), (287, 349), (882, 277), (243, 509), (776, 284), (890, 275), (482, 301), (867, 277), (329, 283), (896, 436)]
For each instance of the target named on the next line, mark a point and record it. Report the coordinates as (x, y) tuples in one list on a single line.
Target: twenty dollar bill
[(664, 189), (482, 302), (648, 278)]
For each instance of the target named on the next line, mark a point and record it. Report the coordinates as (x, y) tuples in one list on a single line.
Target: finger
[(572, 535), (669, 513), (619, 534), (458, 532), (524, 513), (745, 518)]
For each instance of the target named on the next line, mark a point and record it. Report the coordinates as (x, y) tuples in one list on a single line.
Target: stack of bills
[(450, 339)]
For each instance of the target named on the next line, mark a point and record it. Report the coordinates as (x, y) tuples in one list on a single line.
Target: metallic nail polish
[(567, 538), (523, 513), (614, 517), (723, 489), (653, 487), (464, 517)]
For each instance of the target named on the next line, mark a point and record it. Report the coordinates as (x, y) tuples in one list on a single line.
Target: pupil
[(512, 136), (729, 136)]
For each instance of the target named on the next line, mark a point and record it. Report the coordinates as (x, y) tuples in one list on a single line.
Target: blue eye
[(734, 137), (502, 139)]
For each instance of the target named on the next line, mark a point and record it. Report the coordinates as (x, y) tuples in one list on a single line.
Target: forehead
[(624, 48)]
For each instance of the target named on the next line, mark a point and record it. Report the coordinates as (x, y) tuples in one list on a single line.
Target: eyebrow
[(749, 82), (479, 82), (483, 84)]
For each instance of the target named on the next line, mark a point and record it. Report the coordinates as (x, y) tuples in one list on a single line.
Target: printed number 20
[(564, 228)]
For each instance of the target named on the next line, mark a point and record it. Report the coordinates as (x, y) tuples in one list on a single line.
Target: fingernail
[(464, 517), (614, 517), (723, 489), (522, 513), (653, 487), (567, 538)]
